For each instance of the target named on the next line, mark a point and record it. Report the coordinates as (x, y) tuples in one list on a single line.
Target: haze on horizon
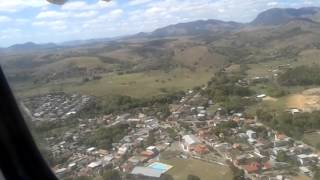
[(41, 22)]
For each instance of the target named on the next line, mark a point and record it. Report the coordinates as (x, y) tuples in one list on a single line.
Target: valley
[(240, 98)]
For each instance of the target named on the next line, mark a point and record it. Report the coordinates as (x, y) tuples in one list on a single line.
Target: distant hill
[(31, 46), (198, 48), (279, 16), (271, 17), (199, 27)]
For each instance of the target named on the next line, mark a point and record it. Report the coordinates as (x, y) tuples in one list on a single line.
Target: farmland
[(140, 85)]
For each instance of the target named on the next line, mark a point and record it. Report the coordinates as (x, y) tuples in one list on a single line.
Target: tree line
[(223, 89), (301, 75), (293, 125)]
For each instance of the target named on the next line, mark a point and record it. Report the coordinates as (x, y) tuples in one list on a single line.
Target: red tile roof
[(252, 167)]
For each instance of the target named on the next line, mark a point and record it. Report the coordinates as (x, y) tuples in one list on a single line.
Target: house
[(199, 108), (201, 116), (189, 142), (72, 165), (107, 160), (242, 159), (123, 149), (251, 167), (60, 173), (279, 136), (277, 150), (135, 160), (251, 134), (294, 110), (95, 164), (307, 160), (301, 150), (201, 149), (148, 154), (261, 96), (281, 143), (153, 149), (90, 150), (306, 171)]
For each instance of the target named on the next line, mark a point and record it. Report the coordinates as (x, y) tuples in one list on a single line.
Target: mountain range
[(188, 52), (271, 17)]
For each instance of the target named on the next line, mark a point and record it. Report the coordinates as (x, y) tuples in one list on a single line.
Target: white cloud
[(86, 14), (4, 19), (272, 3), (8, 33), (64, 15), (22, 21), (52, 14), (77, 5), (115, 13), (10, 30), (81, 5), (57, 25), (138, 2), (16, 5)]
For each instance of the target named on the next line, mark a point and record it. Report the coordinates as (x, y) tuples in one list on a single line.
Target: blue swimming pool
[(160, 167)]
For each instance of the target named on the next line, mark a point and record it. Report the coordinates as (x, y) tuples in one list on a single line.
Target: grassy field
[(140, 85), (279, 104), (182, 168)]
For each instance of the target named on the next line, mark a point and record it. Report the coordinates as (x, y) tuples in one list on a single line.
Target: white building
[(260, 96), (123, 150), (189, 142), (95, 164), (251, 134)]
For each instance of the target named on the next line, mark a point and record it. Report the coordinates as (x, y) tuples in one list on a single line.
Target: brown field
[(269, 98), (308, 100)]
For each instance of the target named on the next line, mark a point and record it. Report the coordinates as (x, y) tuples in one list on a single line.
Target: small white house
[(251, 134), (260, 96), (95, 164)]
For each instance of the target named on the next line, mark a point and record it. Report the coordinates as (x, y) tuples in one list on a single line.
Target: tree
[(239, 175), (151, 139), (172, 133), (282, 157), (193, 177)]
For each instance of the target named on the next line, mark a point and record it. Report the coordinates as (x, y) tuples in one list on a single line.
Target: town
[(134, 144)]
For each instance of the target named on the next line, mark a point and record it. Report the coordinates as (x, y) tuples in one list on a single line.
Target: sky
[(41, 22)]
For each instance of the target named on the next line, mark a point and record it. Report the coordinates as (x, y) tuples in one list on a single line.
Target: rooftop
[(146, 171), (191, 139)]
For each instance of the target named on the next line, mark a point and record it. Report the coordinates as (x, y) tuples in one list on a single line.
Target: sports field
[(206, 171)]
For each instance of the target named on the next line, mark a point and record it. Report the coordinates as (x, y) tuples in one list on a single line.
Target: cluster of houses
[(131, 151), (269, 156), (55, 106)]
